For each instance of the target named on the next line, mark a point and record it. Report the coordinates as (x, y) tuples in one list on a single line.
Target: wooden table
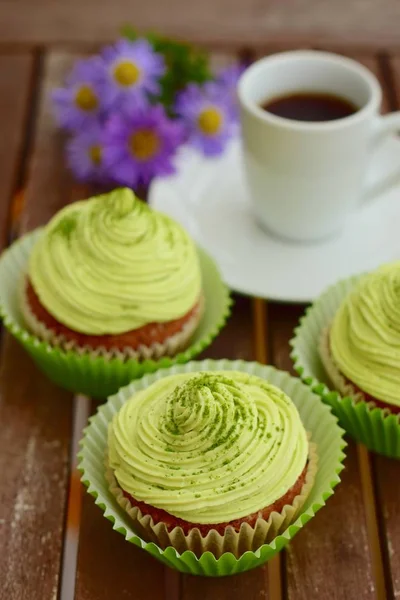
[(350, 551)]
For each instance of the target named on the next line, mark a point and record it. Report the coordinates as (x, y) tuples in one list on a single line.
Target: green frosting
[(365, 334), (208, 447), (111, 264)]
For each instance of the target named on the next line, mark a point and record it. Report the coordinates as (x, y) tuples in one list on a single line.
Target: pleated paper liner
[(237, 542), (375, 427), (100, 376), (317, 419)]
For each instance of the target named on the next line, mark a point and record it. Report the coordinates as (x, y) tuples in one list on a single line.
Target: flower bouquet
[(129, 109)]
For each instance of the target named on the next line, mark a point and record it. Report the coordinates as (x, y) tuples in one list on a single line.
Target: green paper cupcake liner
[(317, 418), (98, 376), (375, 427)]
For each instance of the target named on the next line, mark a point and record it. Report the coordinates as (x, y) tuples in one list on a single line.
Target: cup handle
[(385, 125)]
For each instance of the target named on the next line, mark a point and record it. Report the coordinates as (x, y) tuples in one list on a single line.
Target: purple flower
[(133, 71), (228, 78), (85, 155), (208, 116), (85, 97), (140, 145)]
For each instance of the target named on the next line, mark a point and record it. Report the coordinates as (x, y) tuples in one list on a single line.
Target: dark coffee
[(310, 106)]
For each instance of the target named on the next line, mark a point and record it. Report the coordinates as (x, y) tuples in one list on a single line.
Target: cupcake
[(214, 461), (112, 277), (360, 350)]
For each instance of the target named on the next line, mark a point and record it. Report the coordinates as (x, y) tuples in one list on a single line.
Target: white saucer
[(210, 198)]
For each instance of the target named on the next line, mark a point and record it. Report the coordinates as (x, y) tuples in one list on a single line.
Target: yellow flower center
[(126, 73), (144, 144), (210, 121), (95, 154), (86, 99)]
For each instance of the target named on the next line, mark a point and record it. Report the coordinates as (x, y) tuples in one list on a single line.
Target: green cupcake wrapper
[(375, 427), (317, 418), (99, 376)]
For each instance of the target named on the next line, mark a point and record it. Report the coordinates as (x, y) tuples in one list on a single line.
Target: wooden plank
[(15, 88), (387, 472), (220, 60), (252, 585), (229, 21), (387, 476), (283, 318), (34, 455), (36, 420), (393, 79), (235, 341), (109, 567), (49, 185), (329, 557)]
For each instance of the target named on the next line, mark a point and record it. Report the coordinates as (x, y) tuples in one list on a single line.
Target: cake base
[(161, 516), (153, 340), (342, 384)]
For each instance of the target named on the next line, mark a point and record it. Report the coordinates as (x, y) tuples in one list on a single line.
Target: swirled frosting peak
[(111, 264), (365, 334), (208, 447)]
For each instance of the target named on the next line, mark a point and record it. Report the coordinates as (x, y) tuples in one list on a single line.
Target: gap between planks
[(81, 411), (262, 355), (372, 523)]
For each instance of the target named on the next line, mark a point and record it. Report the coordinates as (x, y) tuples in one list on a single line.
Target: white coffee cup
[(305, 178)]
